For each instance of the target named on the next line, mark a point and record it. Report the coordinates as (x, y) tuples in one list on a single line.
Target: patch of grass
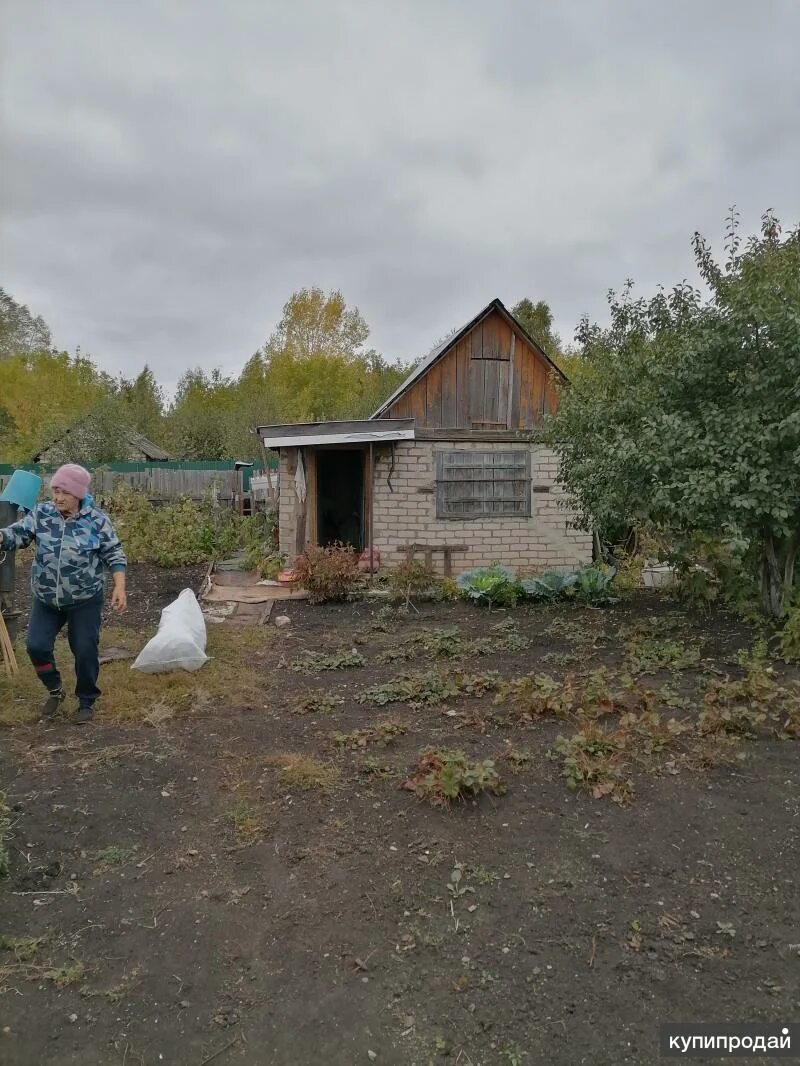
[(429, 688), (382, 734), (561, 658), (113, 856), (25, 948), (447, 643), (482, 875), (386, 620), (228, 680), (445, 775), (64, 976), (5, 835), (373, 767), (647, 654), (571, 630), (317, 703), (434, 643), (304, 773), (245, 821), (312, 662), (27, 962), (517, 760)]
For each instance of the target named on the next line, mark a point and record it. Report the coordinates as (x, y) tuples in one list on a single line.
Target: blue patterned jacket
[(71, 553)]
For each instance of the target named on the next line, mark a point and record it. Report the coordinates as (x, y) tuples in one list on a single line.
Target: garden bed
[(243, 876)]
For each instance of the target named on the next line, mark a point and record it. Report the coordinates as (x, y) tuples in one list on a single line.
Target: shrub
[(328, 574), (185, 532), (445, 775), (493, 586), (411, 580), (789, 636)]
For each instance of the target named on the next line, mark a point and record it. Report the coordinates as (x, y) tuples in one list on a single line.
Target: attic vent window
[(492, 484)]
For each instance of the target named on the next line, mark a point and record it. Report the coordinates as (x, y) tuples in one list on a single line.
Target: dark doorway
[(340, 498)]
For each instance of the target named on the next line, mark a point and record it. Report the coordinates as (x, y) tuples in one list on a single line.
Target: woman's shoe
[(52, 705)]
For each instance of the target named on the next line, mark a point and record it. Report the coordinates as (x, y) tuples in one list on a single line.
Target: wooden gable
[(491, 379)]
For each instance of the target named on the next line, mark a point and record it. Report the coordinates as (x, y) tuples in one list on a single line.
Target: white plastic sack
[(180, 643)]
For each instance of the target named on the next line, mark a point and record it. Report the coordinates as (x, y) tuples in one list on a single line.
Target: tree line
[(314, 366)]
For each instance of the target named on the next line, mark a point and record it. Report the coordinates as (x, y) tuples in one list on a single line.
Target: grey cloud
[(174, 171)]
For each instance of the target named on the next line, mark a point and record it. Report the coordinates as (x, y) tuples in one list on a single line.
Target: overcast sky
[(174, 169)]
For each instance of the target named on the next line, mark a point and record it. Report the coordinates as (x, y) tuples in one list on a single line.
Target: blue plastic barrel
[(22, 490)]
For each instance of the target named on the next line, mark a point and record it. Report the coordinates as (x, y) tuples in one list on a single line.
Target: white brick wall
[(405, 515)]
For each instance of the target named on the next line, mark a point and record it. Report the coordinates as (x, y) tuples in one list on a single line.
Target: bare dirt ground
[(245, 881)]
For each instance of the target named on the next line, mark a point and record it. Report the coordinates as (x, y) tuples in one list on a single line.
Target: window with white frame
[(491, 484)]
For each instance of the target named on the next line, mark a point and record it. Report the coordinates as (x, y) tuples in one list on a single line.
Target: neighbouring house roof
[(139, 443), (442, 349), (299, 434), (147, 448)]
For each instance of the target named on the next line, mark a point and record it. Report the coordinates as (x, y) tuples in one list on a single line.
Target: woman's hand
[(119, 597)]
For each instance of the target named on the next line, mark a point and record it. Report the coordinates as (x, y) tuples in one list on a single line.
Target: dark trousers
[(83, 632)]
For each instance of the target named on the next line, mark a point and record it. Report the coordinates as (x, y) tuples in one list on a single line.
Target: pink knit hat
[(73, 479)]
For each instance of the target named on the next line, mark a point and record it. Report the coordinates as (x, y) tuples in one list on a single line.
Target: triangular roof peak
[(441, 350)]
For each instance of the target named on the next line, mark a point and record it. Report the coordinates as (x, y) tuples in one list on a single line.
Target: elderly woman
[(75, 545)]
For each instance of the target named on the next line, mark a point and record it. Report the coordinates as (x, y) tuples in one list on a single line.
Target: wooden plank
[(433, 396), (527, 401), (505, 339), (490, 340), (488, 436), (551, 395), (477, 390), (449, 390), (496, 375), (538, 390), (475, 339), (417, 399), (463, 365), (510, 389)]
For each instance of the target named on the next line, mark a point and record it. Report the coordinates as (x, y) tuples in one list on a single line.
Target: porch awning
[(362, 431)]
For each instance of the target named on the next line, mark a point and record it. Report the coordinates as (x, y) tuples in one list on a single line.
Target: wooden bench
[(447, 550)]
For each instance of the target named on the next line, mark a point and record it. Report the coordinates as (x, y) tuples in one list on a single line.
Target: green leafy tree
[(199, 421), (537, 318), (687, 416), (315, 323), (143, 404), (44, 393), (21, 333), (314, 365), (101, 436)]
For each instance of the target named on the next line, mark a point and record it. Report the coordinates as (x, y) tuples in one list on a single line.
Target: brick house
[(445, 470)]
